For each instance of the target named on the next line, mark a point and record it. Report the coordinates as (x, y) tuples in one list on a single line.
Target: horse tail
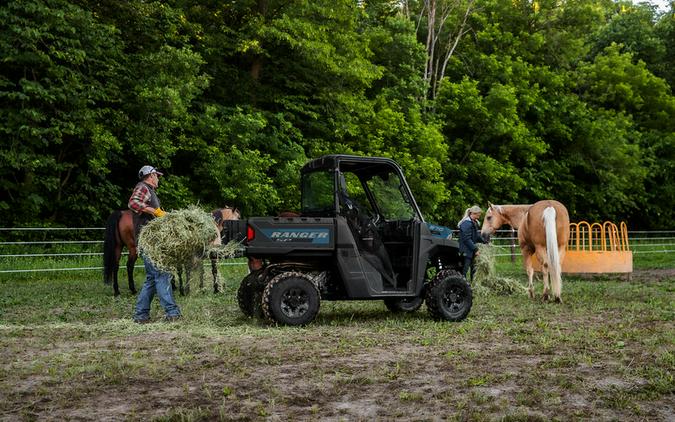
[(552, 250), (110, 242)]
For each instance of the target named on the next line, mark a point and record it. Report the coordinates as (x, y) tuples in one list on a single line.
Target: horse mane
[(506, 211)]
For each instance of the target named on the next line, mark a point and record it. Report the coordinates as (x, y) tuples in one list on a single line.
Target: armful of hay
[(182, 238)]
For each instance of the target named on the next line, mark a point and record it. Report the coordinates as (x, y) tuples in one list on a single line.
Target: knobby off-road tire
[(408, 304), (291, 298), (249, 295), (449, 296)]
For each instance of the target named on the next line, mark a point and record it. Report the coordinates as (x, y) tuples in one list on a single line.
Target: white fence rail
[(86, 249), (640, 242)]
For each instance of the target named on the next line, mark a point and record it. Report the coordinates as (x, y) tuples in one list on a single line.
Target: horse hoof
[(133, 292), (545, 297), (558, 300), (531, 293)]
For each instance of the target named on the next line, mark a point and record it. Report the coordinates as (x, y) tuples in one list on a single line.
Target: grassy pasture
[(70, 351)]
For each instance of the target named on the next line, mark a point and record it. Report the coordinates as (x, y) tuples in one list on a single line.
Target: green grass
[(70, 350)]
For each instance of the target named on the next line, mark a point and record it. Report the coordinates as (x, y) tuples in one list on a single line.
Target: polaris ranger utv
[(359, 236)]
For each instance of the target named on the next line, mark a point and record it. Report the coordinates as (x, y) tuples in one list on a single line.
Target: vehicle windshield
[(318, 193)]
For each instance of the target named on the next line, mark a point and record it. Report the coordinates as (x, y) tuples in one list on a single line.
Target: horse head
[(493, 220), (226, 213)]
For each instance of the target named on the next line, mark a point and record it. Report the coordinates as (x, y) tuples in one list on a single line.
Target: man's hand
[(159, 212)]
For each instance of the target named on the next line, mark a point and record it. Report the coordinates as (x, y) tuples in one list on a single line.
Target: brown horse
[(543, 231), (120, 232)]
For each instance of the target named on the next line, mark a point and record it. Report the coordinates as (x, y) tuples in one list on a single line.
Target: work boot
[(172, 318)]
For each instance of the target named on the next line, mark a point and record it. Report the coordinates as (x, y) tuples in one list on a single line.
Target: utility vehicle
[(359, 235)]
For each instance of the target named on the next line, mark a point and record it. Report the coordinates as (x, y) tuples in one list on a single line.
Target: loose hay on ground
[(181, 239), (486, 281)]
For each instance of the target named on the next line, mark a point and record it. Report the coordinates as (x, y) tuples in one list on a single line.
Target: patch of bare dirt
[(305, 377), (659, 274), (645, 275)]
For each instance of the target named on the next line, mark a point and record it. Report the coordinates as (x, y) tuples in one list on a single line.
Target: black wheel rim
[(454, 299), (294, 303)]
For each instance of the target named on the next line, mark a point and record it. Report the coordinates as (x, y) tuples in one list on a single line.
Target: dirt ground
[(410, 369), (262, 379)]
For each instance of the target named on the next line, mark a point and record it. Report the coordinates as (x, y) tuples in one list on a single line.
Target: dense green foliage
[(570, 100)]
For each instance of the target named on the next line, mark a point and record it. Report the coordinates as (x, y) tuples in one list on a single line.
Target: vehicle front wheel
[(291, 298), (449, 296)]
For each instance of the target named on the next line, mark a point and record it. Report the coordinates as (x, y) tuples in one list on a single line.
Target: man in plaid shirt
[(145, 203), (144, 199)]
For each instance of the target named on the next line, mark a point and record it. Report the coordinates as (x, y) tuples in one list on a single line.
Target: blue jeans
[(159, 282), (469, 264)]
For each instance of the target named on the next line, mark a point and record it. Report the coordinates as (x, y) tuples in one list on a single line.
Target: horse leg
[(557, 279), (214, 272), (185, 288), (131, 262), (180, 279), (527, 256), (201, 274), (545, 272)]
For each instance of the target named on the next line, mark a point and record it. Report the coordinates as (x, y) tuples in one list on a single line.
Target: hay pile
[(486, 281), (181, 239)]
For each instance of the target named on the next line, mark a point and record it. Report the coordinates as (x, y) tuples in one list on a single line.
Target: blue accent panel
[(440, 231)]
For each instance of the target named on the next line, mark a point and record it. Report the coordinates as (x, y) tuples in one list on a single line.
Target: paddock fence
[(55, 249)]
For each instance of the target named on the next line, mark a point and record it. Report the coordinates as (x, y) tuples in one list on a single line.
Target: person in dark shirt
[(469, 236)]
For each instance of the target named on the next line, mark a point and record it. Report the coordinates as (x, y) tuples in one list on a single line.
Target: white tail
[(552, 251)]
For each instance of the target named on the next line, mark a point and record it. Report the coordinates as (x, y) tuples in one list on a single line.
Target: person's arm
[(140, 197)]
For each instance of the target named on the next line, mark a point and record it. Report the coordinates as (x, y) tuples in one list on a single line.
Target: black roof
[(344, 161)]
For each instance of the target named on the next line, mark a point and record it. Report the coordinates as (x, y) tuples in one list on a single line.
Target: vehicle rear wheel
[(249, 295), (406, 304), (291, 298), (449, 296)]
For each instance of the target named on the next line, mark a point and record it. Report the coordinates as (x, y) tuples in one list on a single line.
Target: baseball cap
[(145, 170)]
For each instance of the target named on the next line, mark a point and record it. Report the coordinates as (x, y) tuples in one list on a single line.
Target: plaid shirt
[(141, 198)]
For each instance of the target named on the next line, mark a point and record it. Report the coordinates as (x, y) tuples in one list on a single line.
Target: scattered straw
[(486, 281), (181, 238)]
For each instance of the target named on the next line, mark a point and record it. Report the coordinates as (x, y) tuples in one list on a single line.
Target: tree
[(59, 93), (442, 24), (633, 28), (614, 82)]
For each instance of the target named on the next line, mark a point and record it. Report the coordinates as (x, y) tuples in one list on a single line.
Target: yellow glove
[(159, 212)]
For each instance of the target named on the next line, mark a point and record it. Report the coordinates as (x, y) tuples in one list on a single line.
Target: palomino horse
[(120, 231), (543, 231)]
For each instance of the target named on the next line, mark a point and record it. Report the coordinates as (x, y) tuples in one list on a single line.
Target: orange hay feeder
[(596, 248)]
